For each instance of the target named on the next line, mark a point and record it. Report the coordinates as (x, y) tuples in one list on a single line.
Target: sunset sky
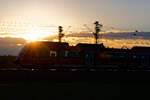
[(32, 19), (123, 14)]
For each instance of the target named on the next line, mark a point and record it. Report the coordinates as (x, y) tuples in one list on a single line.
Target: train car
[(61, 55), (50, 54), (143, 55), (57, 55)]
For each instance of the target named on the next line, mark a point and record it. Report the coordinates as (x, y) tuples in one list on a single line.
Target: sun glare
[(36, 35), (32, 36)]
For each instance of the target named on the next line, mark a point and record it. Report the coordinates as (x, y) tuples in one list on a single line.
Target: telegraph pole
[(60, 34), (97, 30)]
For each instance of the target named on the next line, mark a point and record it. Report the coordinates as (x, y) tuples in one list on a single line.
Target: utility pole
[(97, 30), (60, 34)]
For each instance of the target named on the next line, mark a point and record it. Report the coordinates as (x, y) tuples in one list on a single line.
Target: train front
[(41, 54)]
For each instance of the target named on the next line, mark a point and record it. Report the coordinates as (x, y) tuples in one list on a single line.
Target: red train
[(61, 55)]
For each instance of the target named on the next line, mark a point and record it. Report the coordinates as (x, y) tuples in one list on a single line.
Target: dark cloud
[(120, 35)]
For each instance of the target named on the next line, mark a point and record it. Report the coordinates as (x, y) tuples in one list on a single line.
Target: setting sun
[(37, 35), (32, 36)]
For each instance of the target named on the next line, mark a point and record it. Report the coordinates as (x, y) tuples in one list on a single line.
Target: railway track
[(76, 69), (74, 75)]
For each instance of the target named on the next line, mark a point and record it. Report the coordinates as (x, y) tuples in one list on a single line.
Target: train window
[(86, 56), (63, 53), (73, 54), (53, 53), (134, 57), (143, 57), (66, 53), (122, 56)]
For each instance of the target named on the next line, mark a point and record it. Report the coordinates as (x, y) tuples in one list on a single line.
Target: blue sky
[(123, 14)]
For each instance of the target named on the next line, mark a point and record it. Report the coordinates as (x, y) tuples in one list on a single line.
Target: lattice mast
[(97, 30), (60, 33)]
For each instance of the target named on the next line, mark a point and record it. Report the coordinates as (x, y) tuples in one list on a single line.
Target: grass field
[(26, 85), (59, 91), (73, 91)]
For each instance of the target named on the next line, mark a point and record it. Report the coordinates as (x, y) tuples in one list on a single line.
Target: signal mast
[(97, 30), (60, 34)]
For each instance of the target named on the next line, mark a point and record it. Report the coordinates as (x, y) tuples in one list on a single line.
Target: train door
[(89, 58), (145, 61)]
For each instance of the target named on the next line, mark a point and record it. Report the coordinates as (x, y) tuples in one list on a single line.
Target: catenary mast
[(60, 34), (97, 30)]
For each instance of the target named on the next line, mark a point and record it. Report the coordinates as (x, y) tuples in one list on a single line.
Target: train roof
[(141, 49), (48, 43), (90, 45), (84, 46)]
